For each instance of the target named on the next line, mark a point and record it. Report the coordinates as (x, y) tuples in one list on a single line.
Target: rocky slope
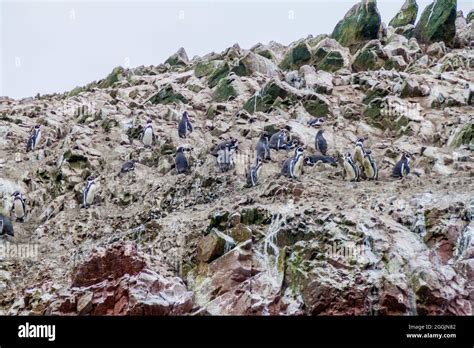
[(156, 242)]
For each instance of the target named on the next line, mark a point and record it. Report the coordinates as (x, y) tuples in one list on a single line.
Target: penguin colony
[(359, 165)]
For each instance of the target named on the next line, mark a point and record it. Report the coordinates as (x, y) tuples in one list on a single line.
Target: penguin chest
[(350, 171), (148, 137), (358, 155), (90, 194), (18, 208), (37, 139), (298, 167), (368, 168)]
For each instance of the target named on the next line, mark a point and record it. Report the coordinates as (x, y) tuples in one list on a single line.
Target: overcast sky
[(53, 46)]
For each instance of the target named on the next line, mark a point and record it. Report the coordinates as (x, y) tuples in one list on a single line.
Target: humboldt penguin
[(370, 167), (263, 149), (89, 192), (320, 142), (402, 168), (6, 226), (312, 160), (293, 167), (181, 162), (359, 152), (184, 127), (34, 138), (19, 206), (128, 166), (225, 154), (253, 173), (280, 140), (351, 169), (148, 135)]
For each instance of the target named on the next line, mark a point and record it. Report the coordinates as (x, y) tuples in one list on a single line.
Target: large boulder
[(361, 24), (370, 57), (179, 58), (437, 23), (252, 63), (298, 54), (406, 15), (330, 56)]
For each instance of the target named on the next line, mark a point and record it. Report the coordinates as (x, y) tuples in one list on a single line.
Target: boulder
[(437, 23), (330, 56), (319, 81), (252, 63), (361, 24), (298, 54), (406, 15), (370, 57), (179, 58)]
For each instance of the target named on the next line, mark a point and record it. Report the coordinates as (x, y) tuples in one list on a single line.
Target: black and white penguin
[(359, 152), (352, 172), (253, 173), (19, 206), (370, 167), (89, 192), (263, 148), (320, 142), (181, 161), (231, 143), (402, 168), (128, 166), (34, 138), (6, 226), (184, 127), (280, 140), (316, 122), (148, 135), (293, 167), (225, 157), (312, 160)]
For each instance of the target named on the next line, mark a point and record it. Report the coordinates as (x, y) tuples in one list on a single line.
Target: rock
[(370, 57), (210, 247), (406, 15), (465, 136), (437, 23), (470, 16), (252, 63), (330, 56), (168, 95), (359, 25), (407, 31), (464, 32), (298, 54), (411, 88), (179, 58), (116, 75), (437, 49), (224, 90), (320, 81)]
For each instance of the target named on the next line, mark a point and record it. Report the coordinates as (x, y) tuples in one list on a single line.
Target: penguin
[(402, 168), (314, 159), (370, 167), (6, 226), (19, 206), (148, 135), (34, 138), (225, 156), (254, 172), (181, 162), (293, 167), (279, 140), (89, 192), (320, 142), (359, 152), (263, 148), (184, 127), (128, 166), (316, 122), (350, 168), (231, 143)]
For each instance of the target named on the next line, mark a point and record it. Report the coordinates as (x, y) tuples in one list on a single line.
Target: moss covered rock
[(297, 55), (359, 25), (180, 58), (116, 75), (330, 56), (464, 137), (370, 57), (168, 95), (437, 23), (224, 91), (406, 15)]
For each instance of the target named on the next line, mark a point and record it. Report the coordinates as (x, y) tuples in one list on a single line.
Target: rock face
[(359, 25), (406, 15), (204, 243), (437, 23)]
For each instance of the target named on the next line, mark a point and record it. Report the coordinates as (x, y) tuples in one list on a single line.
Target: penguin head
[(360, 142), (148, 121), (37, 127), (90, 178), (16, 194), (406, 156), (348, 157), (185, 114), (299, 150), (180, 149), (259, 162), (308, 162), (320, 132), (265, 135)]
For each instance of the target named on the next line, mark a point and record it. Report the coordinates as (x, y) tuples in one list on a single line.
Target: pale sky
[(53, 46)]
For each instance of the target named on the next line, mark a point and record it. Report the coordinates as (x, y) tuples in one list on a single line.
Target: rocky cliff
[(202, 243)]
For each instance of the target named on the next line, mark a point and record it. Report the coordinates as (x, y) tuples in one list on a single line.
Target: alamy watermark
[(349, 251), (18, 251)]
